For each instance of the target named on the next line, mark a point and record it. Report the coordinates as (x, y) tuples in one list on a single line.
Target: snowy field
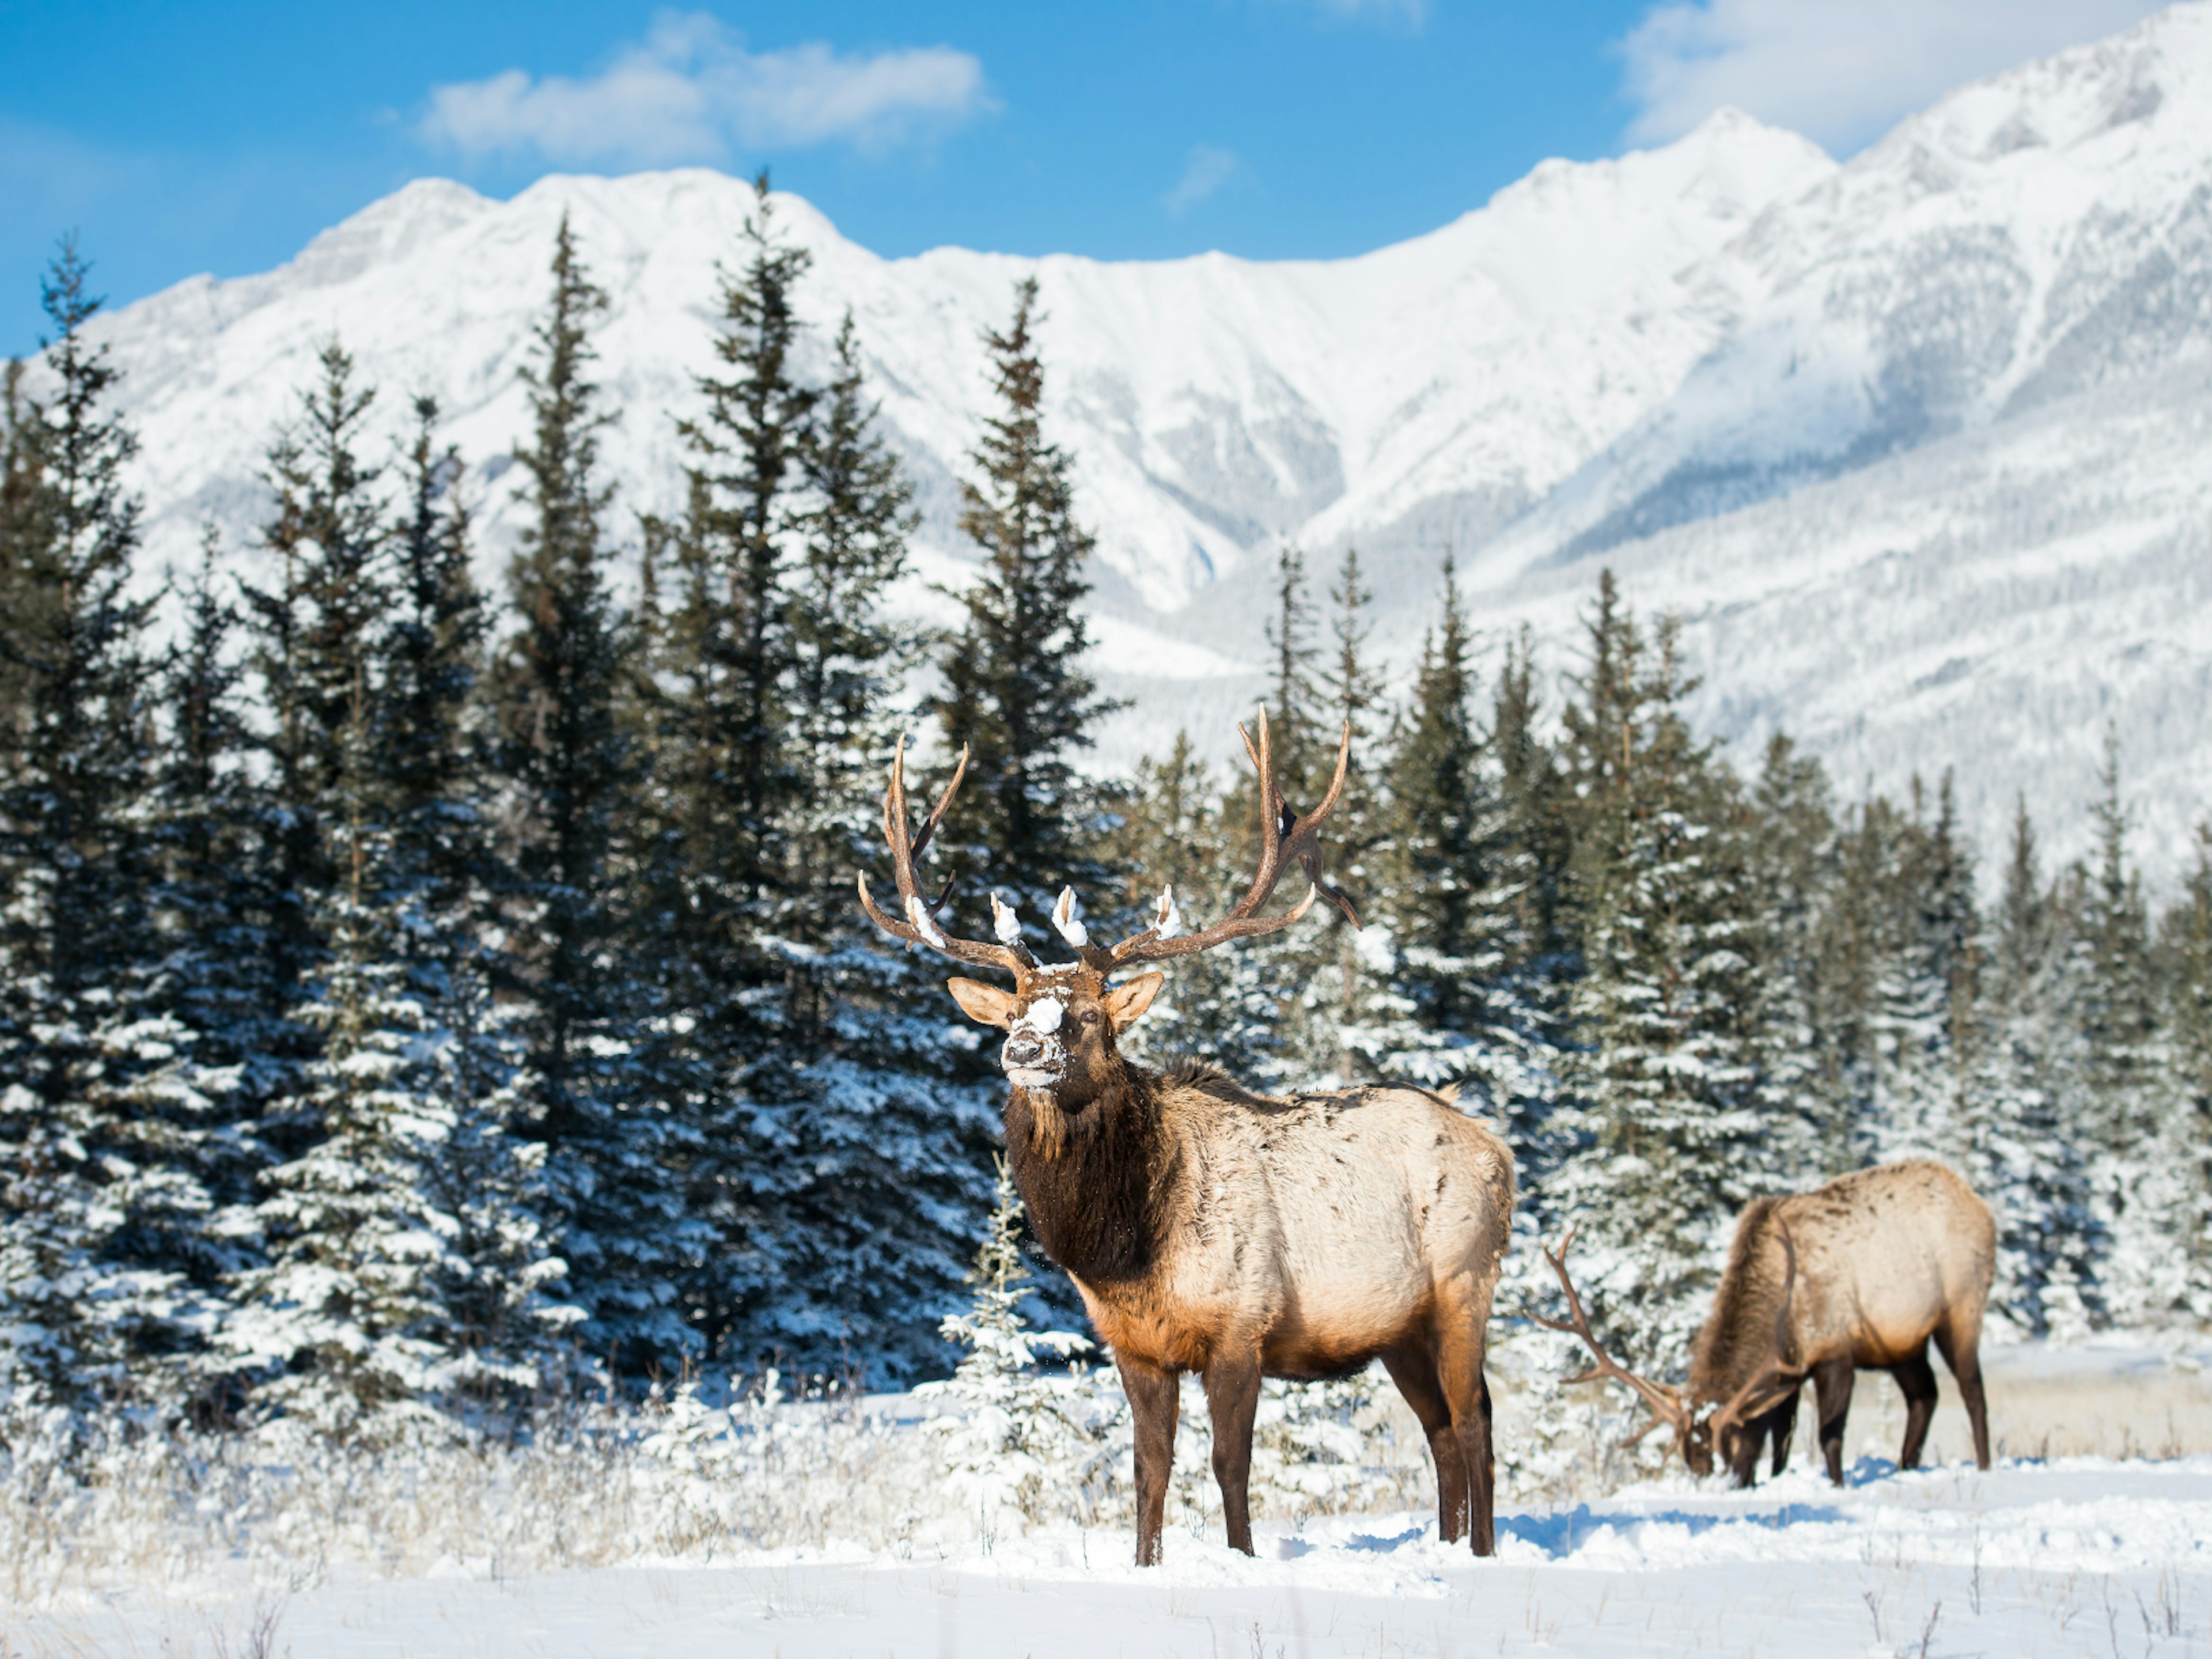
[(2062, 1553)]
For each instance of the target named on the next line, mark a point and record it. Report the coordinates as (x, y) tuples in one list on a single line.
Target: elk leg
[(1960, 1342), (1415, 1370), (1232, 1395), (1916, 1378), (1459, 1369), (1153, 1402), (1782, 1422), (1831, 1399)]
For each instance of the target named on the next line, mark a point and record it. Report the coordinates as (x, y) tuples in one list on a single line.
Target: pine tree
[(728, 779), (76, 1027), (1015, 691), (856, 1108), (429, 749), (1449, 895), (1021, 1439), (1354, 1015), (314, 638), (2023, 1158), (2185, 949), (1794, 862), (566, 765), (2121, 1111), (1269, 976), (1668, 1103), (225, 1034)]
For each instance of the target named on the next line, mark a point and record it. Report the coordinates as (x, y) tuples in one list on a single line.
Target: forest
[(421, 1002)]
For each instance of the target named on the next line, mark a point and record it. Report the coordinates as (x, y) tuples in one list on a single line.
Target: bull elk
[(1857, 1275), (1212, 1230)]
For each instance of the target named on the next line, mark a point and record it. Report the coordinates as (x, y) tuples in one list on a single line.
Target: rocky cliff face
[(1918, 444)]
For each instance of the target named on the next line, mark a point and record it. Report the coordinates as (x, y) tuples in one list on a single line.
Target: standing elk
[(1857, 1275), (1212, 1230)]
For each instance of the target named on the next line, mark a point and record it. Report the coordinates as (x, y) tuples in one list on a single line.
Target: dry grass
[(243, 1517)]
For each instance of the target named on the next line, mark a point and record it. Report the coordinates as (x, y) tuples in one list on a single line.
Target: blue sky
[(221, 136)]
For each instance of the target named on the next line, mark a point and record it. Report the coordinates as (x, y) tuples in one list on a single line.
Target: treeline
[(1679, 989), (421, 996), (415, 999)]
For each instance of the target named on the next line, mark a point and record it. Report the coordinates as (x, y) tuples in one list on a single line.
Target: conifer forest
[(423, 1003)]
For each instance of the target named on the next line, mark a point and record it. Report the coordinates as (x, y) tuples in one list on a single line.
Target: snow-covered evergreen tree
[(1673, 1142), (566, 769), (2185, 963), (2024, 1157), (1017, 692), (2122, 1101), (1452, 883), (1015, 1440), (78, 1027)]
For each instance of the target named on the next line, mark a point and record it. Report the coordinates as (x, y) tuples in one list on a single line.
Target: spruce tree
[(1794, 859), (1667, 1104), (314, 638), (727, 779), (2185, 952), (1449, 893), (2024, 1160), (1271, 975), (76, 1021), (2121, 1102), (1017, 693), (428, 750), (565, 763), (856, 1108)]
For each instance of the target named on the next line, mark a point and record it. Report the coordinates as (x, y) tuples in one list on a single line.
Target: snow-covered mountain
[(1918, 444)]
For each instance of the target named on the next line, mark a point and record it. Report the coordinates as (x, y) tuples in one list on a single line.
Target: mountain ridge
[(1753, 377)]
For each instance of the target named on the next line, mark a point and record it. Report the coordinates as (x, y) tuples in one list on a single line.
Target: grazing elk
[(1215, 1231), (1853, 1276)]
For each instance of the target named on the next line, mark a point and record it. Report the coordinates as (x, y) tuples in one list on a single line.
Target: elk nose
[(1023, 1051)]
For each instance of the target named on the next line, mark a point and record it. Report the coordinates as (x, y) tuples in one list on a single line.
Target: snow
[(1915, 440), (1067, 919), (1167, 921), (2084, 1555), (918, 914), (1042, 1016)]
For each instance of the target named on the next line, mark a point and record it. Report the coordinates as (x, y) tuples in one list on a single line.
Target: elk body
[(1238, 1235), (1860, 1274)]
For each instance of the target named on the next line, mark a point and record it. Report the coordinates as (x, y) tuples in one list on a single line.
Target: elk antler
[(1284, 837), (920, 926), (1782, 1377), (1666, 1404)]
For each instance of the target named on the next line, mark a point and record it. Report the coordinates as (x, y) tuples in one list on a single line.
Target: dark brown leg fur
[(1153, 1402)]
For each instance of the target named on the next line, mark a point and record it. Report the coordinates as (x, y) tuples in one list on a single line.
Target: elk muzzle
[(1034, 1057)]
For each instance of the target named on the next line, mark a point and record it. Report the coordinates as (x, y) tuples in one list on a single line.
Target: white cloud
[(1839, 71), (691, 90), (1205, 170)]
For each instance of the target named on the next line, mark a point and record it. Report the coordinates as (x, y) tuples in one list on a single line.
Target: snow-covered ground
[(2089, 1554), (2081, 1555)]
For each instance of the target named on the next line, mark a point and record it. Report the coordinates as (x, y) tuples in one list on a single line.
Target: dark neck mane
[(1097, 1204)]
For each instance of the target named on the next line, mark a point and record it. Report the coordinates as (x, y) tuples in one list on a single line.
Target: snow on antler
[(1167, 921), (1006, 921), (1067, 919), (918, 914)]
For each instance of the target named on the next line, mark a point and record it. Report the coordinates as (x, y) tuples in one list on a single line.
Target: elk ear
[(1126, 1004), (987, 1005)]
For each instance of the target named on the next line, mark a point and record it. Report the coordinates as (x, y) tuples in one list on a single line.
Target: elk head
[(1061, 1018), (1725, 1426)]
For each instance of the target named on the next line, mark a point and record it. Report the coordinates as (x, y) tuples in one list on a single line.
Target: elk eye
[(1090, 1016)]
